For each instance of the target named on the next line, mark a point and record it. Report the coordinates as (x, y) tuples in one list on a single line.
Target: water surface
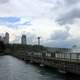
[(12, 68)]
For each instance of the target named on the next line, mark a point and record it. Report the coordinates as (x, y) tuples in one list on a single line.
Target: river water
[(12, 68)]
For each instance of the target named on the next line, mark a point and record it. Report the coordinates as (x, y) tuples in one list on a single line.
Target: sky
[(57, 22)]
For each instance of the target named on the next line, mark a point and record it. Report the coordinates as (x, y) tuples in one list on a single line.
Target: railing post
[(77, 56), (70, 57)]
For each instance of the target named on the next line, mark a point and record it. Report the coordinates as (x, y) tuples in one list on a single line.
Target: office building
[(23, 39), (5, 39)]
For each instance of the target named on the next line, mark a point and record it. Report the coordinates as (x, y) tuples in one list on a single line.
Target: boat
[(41, 65), (63, 72)]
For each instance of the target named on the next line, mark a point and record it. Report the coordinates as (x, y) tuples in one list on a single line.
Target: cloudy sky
[(57, 22)]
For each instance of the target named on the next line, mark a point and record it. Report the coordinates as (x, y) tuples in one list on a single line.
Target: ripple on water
[(15, 69)]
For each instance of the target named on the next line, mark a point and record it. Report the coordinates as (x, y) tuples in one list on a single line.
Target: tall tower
[(39, 41), (6, 38), (23, 39)]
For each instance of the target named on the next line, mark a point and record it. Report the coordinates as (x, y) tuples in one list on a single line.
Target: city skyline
[(54, 21), (23, 40)]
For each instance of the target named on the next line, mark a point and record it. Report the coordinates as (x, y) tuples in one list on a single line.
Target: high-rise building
[(6, 38), (0, 38), (23, 39)]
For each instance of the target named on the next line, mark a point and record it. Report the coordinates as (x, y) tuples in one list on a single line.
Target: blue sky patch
[(14, 21)]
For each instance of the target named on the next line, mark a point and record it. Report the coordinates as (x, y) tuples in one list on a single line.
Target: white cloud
[(25, 8), (40, 27), (75, 29), (42, 14)]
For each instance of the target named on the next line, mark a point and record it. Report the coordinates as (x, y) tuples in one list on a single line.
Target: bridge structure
[(63, 59), (63, 62)]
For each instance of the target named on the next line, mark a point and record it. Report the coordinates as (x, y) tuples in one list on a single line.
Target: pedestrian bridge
[(63, 59), (67, 62)]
